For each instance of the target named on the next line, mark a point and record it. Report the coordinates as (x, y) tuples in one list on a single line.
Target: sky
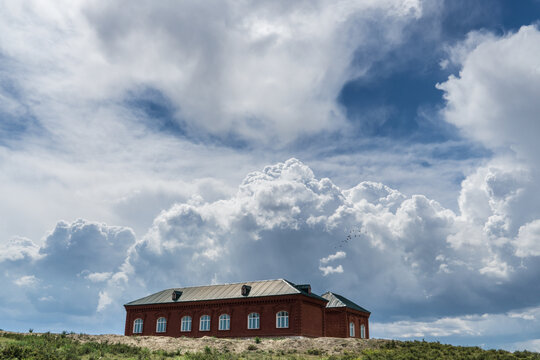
[(385, 150)]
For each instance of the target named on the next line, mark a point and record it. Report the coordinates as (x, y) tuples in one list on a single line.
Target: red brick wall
[(335, 323), (312, 319), (358, 319), (238, 309)]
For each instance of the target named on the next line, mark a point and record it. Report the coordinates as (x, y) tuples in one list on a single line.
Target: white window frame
[(205, 319), (254, 321), (224, 322), (282, 320), (138, 326), (351, 329), (161, 325), (185, 324), (363, 331)]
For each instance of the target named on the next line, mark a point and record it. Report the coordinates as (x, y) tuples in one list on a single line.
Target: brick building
[(257, 308)]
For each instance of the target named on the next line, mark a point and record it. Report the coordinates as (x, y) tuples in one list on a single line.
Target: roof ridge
[(224, 284), (292, 285)]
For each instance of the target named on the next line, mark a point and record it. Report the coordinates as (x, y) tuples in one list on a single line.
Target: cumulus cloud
[(19, 248), (494, 97), (493, 101), (528, 240), (69, 274), (408, 252)]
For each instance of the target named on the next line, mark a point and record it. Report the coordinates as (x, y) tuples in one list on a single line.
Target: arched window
[(351, 329), (224, 322), (185, 324), (363, 331), (137, 326), (253, 321), (282, 319), (204, 323), (161, 325)]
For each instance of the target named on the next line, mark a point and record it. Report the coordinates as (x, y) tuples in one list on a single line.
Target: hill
[(90, 347)]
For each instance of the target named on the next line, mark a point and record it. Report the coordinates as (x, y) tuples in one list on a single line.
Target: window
[(351, 329), (282, 319), (204, 324), (137, 326), (363, 331), (224, 322), (185, 324), (161, 325), (253, 321)]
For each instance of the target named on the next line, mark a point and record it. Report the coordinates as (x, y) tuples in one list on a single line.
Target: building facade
[(258, 308)]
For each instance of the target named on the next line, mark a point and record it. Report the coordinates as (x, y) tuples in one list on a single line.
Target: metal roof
[(336, 300), (225, 291)]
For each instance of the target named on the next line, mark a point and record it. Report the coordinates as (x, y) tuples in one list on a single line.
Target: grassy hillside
[(70, 347)]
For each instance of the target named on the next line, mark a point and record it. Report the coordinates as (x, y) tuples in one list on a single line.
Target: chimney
[(304, 287), (176, 295), (245, 290)]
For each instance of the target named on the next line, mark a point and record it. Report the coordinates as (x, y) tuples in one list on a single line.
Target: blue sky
[(149, 145)]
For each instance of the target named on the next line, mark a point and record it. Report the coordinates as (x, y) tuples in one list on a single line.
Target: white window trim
[(352, 330), (363, 331), (225, 319), (258, 317), (201, 322), (135, 326), (158, 322), (286, 317), (185, 320)]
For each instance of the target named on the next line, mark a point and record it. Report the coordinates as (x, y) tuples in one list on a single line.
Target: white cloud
[(284, 221), (19, 248), (528, 240), (28, 280), (530, 345), (482, 325), (104, 301), (332, 257), (216, 62), (50, 281), (326, 270), (213, 63), (83, 78), (494, 97), (99, 276), (493, 100)]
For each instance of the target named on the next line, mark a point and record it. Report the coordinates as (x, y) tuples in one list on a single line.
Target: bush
[(257, 340), (251, 347)]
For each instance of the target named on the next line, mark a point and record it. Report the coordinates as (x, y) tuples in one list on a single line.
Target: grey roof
[(225, 291), (336, 300)]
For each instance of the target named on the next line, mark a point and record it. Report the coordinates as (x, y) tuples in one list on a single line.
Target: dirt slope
[(277, 345)]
